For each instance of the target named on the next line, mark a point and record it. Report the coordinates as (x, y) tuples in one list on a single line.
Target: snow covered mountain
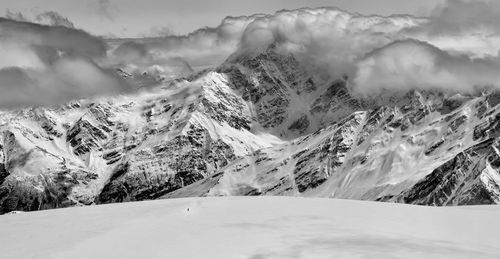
[(259, 124)]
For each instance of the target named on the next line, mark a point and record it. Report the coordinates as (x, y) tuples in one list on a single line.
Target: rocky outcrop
[(328, 156), (153, 172), (471, 177)]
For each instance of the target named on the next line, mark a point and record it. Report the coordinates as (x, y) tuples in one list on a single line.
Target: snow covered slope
[(419, 152), (257, 125), (261, 227)]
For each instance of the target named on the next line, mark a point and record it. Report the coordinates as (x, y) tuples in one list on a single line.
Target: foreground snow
[(257, 227)]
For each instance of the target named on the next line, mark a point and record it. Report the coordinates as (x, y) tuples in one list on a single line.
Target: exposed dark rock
[(300, 125), (457, 182)]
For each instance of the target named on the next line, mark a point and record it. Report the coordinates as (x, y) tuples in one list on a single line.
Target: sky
[(132, 18)]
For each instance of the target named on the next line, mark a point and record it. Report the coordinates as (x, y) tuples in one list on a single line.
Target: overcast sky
[(133, 18)]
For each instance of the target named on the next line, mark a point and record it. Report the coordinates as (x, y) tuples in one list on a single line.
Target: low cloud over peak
[(446, 50)]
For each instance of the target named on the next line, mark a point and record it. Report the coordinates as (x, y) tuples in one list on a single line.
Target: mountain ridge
[(258, 125)]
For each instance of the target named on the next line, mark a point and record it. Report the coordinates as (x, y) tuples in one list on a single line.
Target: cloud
[(160, 31), (64, 39), (334, 42), (462, 16), (412, 64), (449, 50), (16, 16), (136, 58), (130, 50), (460, 26), (327, 39), (202, 48), (53, 18), (45, 18), (66, 80), (323, 38), (455, 48), (46, 65)]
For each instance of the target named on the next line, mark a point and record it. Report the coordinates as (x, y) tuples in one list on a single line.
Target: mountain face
[(257, 125)]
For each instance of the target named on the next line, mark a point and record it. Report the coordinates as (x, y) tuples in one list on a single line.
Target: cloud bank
[(206, 47), (136, 58), (456, 48), (46, 65), (45, 18), (54, 18), (326, 39), (463, 27), (412, 64)]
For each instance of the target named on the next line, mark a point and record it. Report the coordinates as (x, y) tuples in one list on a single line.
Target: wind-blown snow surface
[(253, 227)]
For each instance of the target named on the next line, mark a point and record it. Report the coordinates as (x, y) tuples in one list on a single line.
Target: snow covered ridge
[(248, 227), (256, 125)]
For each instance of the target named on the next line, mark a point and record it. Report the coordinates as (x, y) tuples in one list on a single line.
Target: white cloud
[(45, 65), (53, 18), (206, 47), (326, 39), (411, 64), (463, 27), (455, 48), (45, 18)]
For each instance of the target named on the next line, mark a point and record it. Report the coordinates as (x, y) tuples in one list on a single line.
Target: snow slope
[(253, 227), (256, 125)]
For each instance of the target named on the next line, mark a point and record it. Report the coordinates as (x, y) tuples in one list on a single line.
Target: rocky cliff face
[(257, 125)]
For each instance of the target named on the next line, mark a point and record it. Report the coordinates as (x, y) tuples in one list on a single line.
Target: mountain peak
[(259, 124)]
